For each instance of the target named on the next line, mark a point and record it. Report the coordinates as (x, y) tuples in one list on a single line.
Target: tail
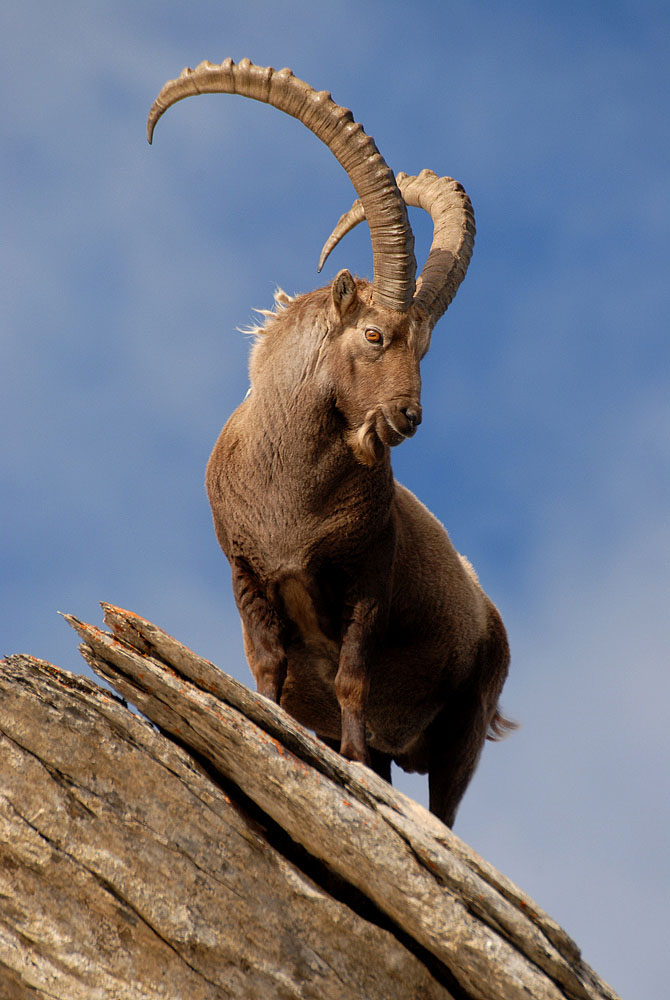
[(500, 727), (497, 654)]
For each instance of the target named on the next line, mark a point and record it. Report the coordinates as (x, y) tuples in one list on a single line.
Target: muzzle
[(388, 424)]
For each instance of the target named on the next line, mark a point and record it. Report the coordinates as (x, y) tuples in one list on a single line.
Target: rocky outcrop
[(212, 848)]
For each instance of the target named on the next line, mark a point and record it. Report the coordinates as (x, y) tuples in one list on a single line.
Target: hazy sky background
[(544, 448)]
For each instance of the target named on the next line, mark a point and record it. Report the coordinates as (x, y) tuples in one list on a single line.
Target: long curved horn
[(390, 231), (453, 236)]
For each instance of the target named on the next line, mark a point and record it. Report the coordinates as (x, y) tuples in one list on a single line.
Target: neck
[(300, 443)]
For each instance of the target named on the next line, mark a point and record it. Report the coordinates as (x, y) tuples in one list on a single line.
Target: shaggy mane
[(282, 299)]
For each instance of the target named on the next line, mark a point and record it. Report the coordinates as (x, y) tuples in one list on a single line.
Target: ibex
[(358, 615)]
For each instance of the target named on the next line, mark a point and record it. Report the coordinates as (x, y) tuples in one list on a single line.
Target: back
[(435, 588)]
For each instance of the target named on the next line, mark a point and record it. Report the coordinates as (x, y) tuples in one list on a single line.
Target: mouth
[(394, 424), (388, 432), (384, 427)]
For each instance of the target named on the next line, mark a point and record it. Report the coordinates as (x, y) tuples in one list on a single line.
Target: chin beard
[(370, 441)]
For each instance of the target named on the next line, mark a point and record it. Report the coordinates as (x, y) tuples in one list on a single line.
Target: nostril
[(413, 415)]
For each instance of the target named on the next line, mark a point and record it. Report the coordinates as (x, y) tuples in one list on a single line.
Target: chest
[(290, 508)]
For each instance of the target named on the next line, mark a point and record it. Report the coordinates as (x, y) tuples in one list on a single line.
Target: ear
[(343, 292)]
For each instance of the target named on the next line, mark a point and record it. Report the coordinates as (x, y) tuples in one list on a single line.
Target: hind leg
[(456, 738)]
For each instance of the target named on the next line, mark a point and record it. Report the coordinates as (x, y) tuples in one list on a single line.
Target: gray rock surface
[(221, 850)]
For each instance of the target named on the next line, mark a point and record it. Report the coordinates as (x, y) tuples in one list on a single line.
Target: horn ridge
[(453, 236), (394, 264)]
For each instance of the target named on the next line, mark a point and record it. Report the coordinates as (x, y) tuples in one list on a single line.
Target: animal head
[(372, 363), (376, 332)]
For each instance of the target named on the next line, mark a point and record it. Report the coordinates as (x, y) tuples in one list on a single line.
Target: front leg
[(367, 619), (352, 681), (261, 629)]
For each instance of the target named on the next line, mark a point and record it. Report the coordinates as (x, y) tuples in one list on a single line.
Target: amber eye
[(373, 336)]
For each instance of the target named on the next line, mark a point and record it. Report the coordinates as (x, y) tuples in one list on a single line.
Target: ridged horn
[(453, 236), (392, 240)]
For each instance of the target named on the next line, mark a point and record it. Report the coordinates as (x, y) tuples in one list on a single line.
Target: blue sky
[(126, 270)]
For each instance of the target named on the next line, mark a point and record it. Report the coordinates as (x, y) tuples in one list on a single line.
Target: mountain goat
[(358, 615)]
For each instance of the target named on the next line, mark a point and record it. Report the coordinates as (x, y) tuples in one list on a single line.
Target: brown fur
[(358, 614)]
